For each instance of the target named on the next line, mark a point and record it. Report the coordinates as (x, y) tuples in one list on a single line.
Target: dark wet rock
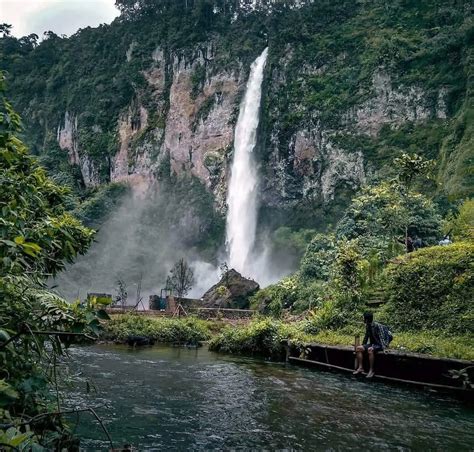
[(232, 291), (139, 340)]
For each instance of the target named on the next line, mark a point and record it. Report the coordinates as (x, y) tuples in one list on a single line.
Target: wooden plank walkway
[(392, 366)]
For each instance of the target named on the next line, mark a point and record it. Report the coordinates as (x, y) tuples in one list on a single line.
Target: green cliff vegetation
[(383, 251), (390, 81), (323, 57)]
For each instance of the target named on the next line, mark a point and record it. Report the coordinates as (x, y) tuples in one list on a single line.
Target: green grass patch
[(261, 337), (264, 336), (431, 343), (189, 330)]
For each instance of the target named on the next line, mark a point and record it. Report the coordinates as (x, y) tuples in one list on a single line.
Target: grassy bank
[(431, 343), (263, 336), (189, 330)]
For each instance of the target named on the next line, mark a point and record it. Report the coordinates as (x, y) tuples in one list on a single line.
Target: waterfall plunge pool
[(165, 398)]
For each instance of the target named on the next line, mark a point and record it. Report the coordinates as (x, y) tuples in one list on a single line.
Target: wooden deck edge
[(381, 377), (395, 352)]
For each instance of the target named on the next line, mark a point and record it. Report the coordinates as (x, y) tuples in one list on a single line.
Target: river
[(165, 398)]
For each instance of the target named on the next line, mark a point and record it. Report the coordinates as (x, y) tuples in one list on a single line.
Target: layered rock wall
[(187, 112)]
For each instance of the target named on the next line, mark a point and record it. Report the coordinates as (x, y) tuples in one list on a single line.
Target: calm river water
[(165, 398)]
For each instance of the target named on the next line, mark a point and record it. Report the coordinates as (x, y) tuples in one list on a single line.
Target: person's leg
[(360, 359), (371, 362)]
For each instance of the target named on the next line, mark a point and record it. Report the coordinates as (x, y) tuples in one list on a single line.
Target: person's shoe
[(370, 374), (358, 371)]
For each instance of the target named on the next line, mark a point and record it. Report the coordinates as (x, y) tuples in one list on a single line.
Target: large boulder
[(232, 291)]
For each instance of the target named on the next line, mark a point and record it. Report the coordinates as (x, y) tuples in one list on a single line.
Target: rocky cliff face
[(185, 119), (155, 97), (194, 105), (312, 163), (67, 137)]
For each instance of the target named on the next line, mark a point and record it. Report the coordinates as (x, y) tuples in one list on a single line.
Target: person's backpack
[(385, 335)]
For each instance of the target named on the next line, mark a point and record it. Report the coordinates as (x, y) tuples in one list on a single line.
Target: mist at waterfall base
[(138, 244), (138, 241)]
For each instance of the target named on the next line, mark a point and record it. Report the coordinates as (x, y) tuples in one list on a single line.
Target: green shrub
[(273, 299), (432, 289), (189, 330), (309, 296), (461, 225), (261, 337), (320, 253), (327, 316)]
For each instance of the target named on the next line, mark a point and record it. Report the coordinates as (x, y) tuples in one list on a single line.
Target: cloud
[(59, 16)]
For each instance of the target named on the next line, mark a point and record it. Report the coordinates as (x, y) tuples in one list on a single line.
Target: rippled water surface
[(165, 398)]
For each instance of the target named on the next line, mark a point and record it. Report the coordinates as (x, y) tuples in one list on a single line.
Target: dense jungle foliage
[(384, 251), (322, 59), (375, 247), (37, 237), (326, 53)]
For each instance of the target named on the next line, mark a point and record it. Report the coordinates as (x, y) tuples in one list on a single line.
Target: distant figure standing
[(377, 338), (417, 243)]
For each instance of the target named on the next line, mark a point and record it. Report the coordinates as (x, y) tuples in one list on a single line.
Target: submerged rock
[(232, 291), (134, 340)]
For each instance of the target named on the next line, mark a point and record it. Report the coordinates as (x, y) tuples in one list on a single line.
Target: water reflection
[(178, 399)]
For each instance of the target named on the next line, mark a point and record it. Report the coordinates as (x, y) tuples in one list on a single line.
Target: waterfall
[(242, 190)]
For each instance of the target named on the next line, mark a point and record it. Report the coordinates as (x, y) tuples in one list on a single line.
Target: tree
[(122, 294), (410, 168), (181, 278), (37, 238), (318, 258), (383, 217), (30, 41), (5, 30)]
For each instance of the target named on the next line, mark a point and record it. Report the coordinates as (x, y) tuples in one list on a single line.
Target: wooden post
[(356, 344), (287, 349), (170, 304)]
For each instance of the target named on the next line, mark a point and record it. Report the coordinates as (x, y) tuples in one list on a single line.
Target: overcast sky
[(60, 16)]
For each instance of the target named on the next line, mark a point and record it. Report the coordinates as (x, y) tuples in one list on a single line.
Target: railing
[(226, 313), (148, 312), (201, 312)]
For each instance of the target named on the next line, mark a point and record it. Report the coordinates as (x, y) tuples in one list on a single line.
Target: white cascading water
[(242, 191)]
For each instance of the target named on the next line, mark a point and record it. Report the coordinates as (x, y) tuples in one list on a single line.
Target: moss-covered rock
[(232, 291)]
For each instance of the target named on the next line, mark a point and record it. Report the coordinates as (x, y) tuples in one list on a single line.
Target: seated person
[(377, 338)]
